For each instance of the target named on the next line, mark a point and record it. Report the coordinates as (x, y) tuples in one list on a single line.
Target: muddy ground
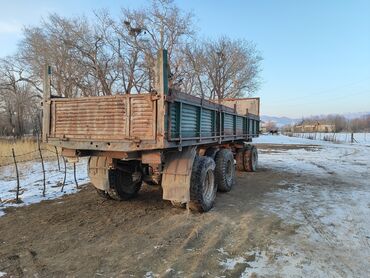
[(83, 235)]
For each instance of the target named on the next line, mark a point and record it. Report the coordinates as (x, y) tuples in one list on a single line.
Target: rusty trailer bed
[(131, 122), (139, 122)]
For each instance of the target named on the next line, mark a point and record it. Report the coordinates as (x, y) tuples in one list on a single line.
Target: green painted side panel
[(253, 127), (239, 125), (165, 72), (175, 119), (228, 124), (207, 123), (193, 121), (189, 121)]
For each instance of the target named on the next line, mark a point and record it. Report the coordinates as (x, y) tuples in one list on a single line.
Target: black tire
[(103, 194), (239, 157), (225, 170), (211, 152), (121, 185), (251, 159), (202, 185)]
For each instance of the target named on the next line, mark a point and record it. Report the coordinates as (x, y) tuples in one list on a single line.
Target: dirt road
[(271, 224)]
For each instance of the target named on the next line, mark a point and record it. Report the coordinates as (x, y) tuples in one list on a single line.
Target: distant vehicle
[(186, 144)]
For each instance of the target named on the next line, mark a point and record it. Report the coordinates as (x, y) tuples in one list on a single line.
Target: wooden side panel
[(90, 118)]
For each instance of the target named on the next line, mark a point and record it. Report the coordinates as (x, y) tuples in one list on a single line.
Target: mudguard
[(177, 174), (98, 167)]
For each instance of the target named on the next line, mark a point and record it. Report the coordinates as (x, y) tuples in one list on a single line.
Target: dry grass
[(25, 149)]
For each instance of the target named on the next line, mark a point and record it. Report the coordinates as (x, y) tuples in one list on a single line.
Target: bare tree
[(104, 56), (270, 126), (17, 97), (161, 26), (232, 68), (224, 68)]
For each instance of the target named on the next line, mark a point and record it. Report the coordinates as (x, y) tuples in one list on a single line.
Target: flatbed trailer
[(188, 145)]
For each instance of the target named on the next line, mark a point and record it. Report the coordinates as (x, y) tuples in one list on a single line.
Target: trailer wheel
[(202, 185), (122, 186), (211, 152), (239, 157), (225, 170), (251, 159)]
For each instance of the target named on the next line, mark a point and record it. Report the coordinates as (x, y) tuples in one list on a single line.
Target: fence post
[(74, 173), (56, 151), (16, 170), (352, 138), (42, 164), (65, 173)]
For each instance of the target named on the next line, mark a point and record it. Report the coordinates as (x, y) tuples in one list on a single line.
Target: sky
[(316, 54)]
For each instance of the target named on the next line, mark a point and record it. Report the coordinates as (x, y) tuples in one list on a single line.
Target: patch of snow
[(349, 162), (158, 246), (2, 274), (31, 182), (361, 139), (222, 251), (258, 265), (230, 263), (169, 270), (150, 274), (331, 210), (283, 263), (282, 139), (343, 137)]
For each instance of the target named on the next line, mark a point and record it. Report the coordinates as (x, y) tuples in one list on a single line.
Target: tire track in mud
[(84, 236), (355, 151), (361, 234), (319, 227), (329, 237), (323, 168), (199, 243)]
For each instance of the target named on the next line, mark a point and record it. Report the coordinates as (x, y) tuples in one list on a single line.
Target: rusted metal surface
[(161, 86), (89, 118), (142, 118), (98, 171), (112, 154), (151, 121), (113, 118), (69, 152), (243, 106), (177, 173), (239, 158), (154, 157)]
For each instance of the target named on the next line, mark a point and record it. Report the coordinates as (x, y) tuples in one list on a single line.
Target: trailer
[(188, 145)]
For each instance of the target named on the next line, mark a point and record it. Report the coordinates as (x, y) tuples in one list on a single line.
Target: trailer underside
[(186, 144)]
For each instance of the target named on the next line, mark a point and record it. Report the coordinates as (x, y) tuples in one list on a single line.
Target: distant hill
[(280, 121), (351, 116)]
